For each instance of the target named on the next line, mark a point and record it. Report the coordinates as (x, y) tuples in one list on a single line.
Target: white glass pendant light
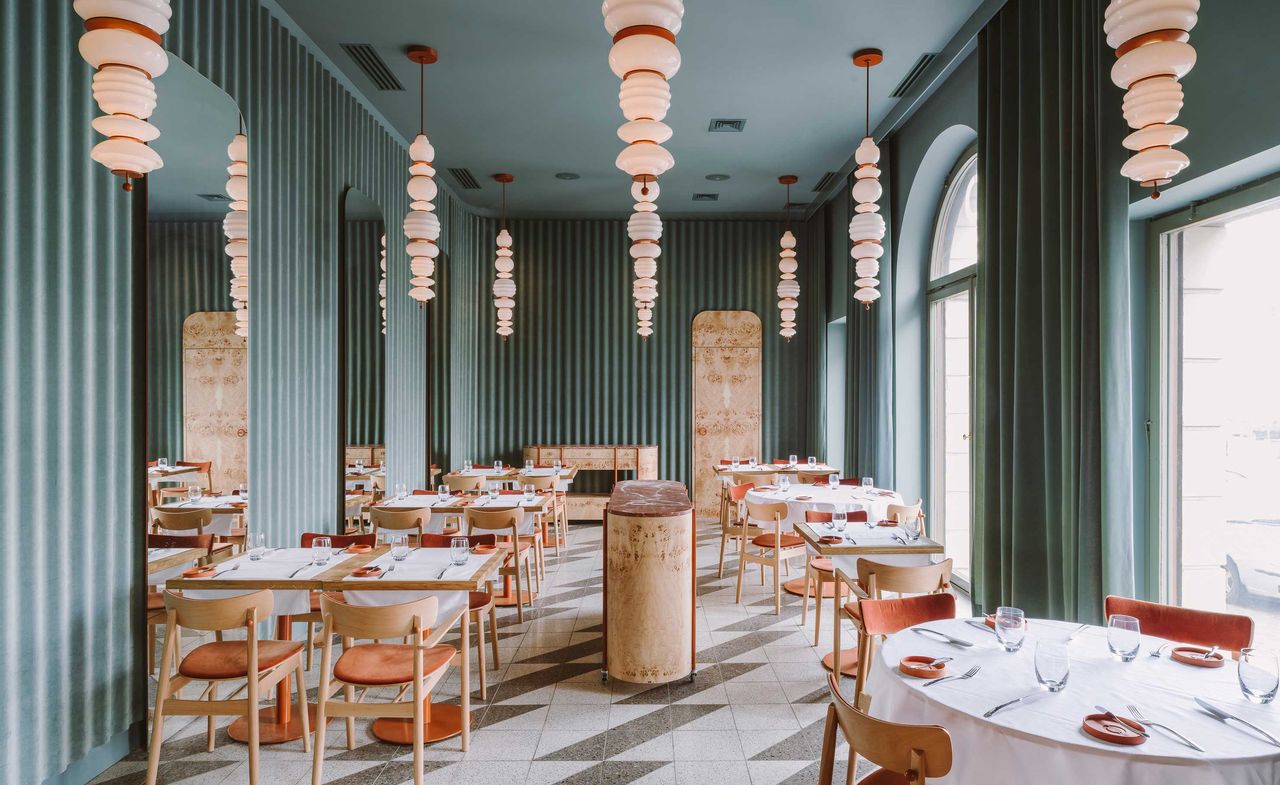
[(236, 227), (1150, 38), (123, 41), (644, 56), (421, 225), (504, 285), (866, 228), (382, 282), (788, 285)]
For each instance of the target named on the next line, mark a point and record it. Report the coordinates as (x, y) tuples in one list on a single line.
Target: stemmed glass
[(1053, 664), (1124, 636), (1011, 628), (321, 549), (458, 549), (1259, 675)]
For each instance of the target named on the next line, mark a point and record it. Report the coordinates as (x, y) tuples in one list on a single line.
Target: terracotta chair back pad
[(182, 520), (396, 520), (891, 745), (1229, 631), (899, 579), (854, 516), (458, 482), (372, 622), (203, 541), (445, 540), (221, 614), (338, 540), (739, 492), (885, 617)]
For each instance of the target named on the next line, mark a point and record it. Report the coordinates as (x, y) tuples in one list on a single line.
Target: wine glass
[(813, 461), (399, 546), (443, 492), (1259, 675), (833, 481), (257, 546), (321, 549), (1011, 628), (529, 492), (1124, 636), (1053, 664), (792, 460), (458, 549), (839, 518)]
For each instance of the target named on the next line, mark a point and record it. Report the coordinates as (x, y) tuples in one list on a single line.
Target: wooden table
[(156, 475), (847, 574), (462, 503), (277, 723), (725, 470), (169, 561), (222, 508)]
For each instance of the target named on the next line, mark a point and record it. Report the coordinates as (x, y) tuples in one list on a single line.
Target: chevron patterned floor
[(753, 714)]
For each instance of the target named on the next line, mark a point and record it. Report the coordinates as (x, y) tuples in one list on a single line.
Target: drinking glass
[(162, 463), (321, 549), (833, 480), (792, 460), (401, 491), (497, 465), (243, 491), (868, 483), (359, 466), (1011, 628), (458, 550), (257, 546), (493, 492), (1124, 636), (399, 546), (195, 492), (466, 464), (443, 492), (1259, 675), (751, 462), (910, 525), (528, 464), (1053, 664), (557, 465), (784, 481), (735, 462), (839, 518), (813, 461), (528, 493)]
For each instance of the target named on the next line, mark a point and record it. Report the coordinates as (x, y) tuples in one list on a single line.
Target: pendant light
[(1152, 54), (504, 286), (788, 286), (382, 282), (123, 41), (644, 56), (421, 225), (236, 227), (866, 228)]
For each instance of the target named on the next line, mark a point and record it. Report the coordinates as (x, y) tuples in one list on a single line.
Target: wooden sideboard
[(640, 459)]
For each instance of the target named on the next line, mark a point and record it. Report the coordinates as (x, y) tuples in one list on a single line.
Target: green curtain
[(366, 345), (1053, 227)]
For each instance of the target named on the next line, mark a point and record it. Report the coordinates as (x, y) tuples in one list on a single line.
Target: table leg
[(276, 724)]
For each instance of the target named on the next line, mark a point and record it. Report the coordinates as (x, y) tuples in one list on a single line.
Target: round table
[(1041, 740)]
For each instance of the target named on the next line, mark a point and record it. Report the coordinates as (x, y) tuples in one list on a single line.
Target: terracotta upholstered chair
[(773, 548), (878, 618), (313, 617), (415, 667), (1228, 631), (906, 754), (260, 665), (479, 603), (155, 599), (504, 525), (731, 522), (819, 571), (400, 521)]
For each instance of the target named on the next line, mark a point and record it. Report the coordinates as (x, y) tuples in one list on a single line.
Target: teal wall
[(366, 345)]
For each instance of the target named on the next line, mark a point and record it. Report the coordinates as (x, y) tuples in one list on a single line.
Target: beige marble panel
[(727, 349), (215, 396)]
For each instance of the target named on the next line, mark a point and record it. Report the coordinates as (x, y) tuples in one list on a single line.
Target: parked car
[(1253, 558)]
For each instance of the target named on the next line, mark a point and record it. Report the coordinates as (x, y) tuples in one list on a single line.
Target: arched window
[(953, 270)]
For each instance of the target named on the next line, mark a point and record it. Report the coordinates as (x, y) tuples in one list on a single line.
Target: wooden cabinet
[(641, 460)]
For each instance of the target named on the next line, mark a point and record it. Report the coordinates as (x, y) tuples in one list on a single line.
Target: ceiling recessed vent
[(706, 197), (214, 197), (722, 126), (796, 205), (913, 75), (465, 179), (824, 182), (373, 66)]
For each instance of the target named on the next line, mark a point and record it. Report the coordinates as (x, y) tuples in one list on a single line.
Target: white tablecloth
[(155, 476), (423, 564), (823, 499), (530, 511), (564, 481), (876, 536), (156, 554), (278, 564), (221, 523), (1042, 741)]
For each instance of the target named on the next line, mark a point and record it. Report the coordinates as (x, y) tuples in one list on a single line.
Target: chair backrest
[(850, 481), (204, 467), (766, 512), (885, 617), (445, 540), (1229, 631), (902, 579), (757, 478), (541, 482), (915, 751), (204, 541), (853, 516), (396, 520), (907, 511), (371, 622), (506, 522), (812, 478), (338, 540), (739, 492), (224, 613), (182, 520), (462, 482)]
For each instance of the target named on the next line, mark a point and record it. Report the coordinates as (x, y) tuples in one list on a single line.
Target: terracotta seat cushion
[(787, 540), (853, 610), (387, 663), (230, 659), (478, 599), (822, 564)]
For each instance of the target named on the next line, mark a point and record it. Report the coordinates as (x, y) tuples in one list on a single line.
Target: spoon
[(1156, 652), (1210, 654)]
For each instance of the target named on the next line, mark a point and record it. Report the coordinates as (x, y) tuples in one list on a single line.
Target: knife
[(979, 625), (953, 641), (1007, 704), (1226, 715), (1132, 725)]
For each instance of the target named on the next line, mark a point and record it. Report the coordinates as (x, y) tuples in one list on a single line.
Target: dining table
[(159, 474), (291, 574), (160, 560), (227, 510), (1039, 736)]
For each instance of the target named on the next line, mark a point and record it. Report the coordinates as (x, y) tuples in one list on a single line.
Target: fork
[(969, 674), (386, 572), (1137, 715), (229, 569)]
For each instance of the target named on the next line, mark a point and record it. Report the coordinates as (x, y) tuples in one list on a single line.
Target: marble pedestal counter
[(649, 582)]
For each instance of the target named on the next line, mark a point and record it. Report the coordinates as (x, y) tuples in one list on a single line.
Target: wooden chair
[(155, 599), (406, 520), (819, 571), (413, 667), (479, 603), (181, 520), (755, 478), (201, 467), (463, 482), (908, 512), (505, 525), (1228, 631), (171, 494), (812, 478), (889, 616), (559, 508), (776, 548), (904, 753), (260, 664), (313, 617), (731, 522)]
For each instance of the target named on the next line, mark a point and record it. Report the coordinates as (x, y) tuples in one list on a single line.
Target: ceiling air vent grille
[(722, 126), (214, 197), (465, 179), (824, 182), (913, 75), (373, 66), (796, 205), (706, 197)]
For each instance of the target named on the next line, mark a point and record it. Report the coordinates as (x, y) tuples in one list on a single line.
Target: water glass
[(493, 493), (833, 481), (910, 525), (443, 492), (792, 460), (399, 546), (1259, 675), (321, 549), (458, 549), (1124, 636), (751, 462), (243, 491), (529, 493), (528, 465), (735, 462), (839, 518), (1053, 664), (813, 461), (257, 546), (466, 464), (868, 483), (784, 481), (557, 465), (1011, 628), (359, 466), (195, 492), (497, 465), (401, 490), (162, 463)]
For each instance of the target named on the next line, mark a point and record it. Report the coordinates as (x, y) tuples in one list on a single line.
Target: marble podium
[(649, 582)]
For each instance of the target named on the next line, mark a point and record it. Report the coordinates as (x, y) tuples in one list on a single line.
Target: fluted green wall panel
[(187, 271), (575, 371), (366, 383), (69, 562)]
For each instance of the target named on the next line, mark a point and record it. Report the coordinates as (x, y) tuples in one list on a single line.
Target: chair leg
[(852, 770), (777, 584), (157, 714), (311, 642), (817, 610), (349, 695), (151, 647), (742, 566), (724, 538), (484, 681), (419, 701), (827, 763), (317, 760), (808, 581), (210, 728), (303, 710), (493, 633), (519, 593), (253, 729)]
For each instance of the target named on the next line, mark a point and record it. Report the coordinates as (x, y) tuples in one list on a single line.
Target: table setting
[(1081, 703), (826, 497), (290, 573), (226, 509), (402, 563)]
